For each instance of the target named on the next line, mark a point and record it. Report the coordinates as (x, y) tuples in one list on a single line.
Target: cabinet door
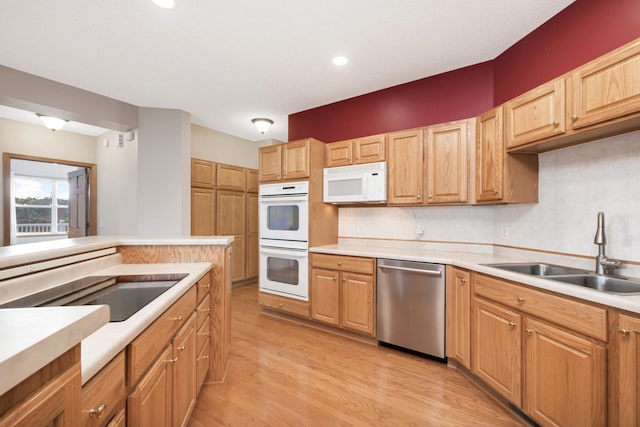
[(535, 115), (339, 153), (270, 163), (565, 377), (404, 153), (149, 405), (203, 212), (295, 160), (497, 355), (252, 181), (607, 88), (370, 149), (489, 156), (203, 173), (447, 163), (231, 213), (325, 296), (231, 178), (252, 268), (459, 316), (628, 404), (184, 372), (357, 298)]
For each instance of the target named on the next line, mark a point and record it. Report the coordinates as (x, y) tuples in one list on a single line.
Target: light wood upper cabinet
[(447, 170), (203, 173), (607, 88), (270, 163), (565, 377), (627, 366), (405, 164), (458, 312), (535, 115), (368, 149), (252, 181), (230, 177), (295, 160), (203, 211), (497, 354), (489, 156)]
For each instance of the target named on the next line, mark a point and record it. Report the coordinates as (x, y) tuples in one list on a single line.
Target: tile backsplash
[(575, 184)]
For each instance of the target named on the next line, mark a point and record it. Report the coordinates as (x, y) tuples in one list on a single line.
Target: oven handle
[(292, 198), (272, 250)]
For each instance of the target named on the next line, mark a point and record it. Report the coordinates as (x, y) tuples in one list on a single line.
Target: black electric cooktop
[(124, 295)]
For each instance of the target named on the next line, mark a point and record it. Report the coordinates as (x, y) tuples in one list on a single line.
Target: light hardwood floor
[(285, 374)]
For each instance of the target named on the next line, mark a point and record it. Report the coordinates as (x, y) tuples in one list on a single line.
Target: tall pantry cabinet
[(224, 202)]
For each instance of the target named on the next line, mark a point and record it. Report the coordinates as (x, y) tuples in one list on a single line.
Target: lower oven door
[(285, 272)]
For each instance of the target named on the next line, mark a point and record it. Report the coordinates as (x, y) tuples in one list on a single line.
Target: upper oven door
[(284, 217)]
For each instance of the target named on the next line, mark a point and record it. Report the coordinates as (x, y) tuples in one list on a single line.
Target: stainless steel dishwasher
[(411, 305)]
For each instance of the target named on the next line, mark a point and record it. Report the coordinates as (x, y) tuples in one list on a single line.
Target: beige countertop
[(474, 261), (33, 337)]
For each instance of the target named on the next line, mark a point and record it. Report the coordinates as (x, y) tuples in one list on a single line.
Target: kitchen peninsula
[(167, 349)]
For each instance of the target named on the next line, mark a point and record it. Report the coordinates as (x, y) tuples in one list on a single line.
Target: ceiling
[(226, 62)]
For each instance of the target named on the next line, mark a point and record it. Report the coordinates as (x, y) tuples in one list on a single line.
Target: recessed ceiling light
[(165, 4), (340, 60)]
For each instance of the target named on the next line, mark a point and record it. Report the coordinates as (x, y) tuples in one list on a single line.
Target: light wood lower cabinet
[(105, 394), (345, 296), (458, 312), (627, 367), (184, 373), (150, 402)]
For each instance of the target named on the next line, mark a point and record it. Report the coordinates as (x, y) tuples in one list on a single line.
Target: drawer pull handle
[(528, 331), (181, 348), (339, 262), (97, 412), (624, 332), (176, 319), (206, 286), (203, 334), (203, 357), (520, 300), (513, 324), (206, 310), (174, 360)]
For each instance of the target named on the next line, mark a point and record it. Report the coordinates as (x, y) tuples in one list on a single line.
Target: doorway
[(47, 199)]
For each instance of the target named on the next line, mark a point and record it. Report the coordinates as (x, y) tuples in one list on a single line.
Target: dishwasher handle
[(412, 270)]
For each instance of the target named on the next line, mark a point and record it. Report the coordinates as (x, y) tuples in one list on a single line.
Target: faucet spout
[(604, 265)]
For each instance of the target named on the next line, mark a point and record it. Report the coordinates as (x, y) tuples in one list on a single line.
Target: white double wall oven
[(284, 239)]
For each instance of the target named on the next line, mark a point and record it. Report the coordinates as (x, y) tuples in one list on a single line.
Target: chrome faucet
[(604, 265)]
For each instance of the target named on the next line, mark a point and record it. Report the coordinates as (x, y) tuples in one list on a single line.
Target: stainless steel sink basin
[(538, 269), (614, 285)]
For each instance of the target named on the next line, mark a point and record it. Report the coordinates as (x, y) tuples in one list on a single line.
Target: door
[(497, 356), (565, 377), (232, 222), (252, 236), (78, 203)]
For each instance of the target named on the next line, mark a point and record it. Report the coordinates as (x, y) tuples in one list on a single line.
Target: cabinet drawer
[(289, 305), (574, 315), (203, 286), (202, 334), (202, 365), (104, 394), (343, 263), (202, 312), (120, 420), (148, 345)]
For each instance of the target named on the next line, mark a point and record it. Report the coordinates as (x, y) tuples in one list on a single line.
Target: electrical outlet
[(419, 231), (504, 233)]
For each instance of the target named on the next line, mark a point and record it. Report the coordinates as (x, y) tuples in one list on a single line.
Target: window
[(41, 205)]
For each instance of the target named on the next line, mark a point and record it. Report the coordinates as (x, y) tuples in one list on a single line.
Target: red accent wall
[(458, 94), (581, 32)]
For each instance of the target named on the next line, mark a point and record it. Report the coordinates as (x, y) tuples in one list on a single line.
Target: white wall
[(27, 139), (117, 184), (575, 183), (209, 144)]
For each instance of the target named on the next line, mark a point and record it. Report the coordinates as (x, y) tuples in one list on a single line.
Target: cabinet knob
[(344, 279), (419, 196), (574, 117), (206, 286), (463, 280), (513, 324), (181, 348), (430, 196), (556, 124), (623, 332), (176, 319), (97, 412), (339, 262), (174, 360), (281, 305), (528, 331), (520, 300), (495, 191), (203, 357)]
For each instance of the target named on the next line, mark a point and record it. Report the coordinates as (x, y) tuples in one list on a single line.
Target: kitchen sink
[(611, 284), (538, 269)]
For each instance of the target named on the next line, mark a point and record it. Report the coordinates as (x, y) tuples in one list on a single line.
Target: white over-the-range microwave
[(365, 183)]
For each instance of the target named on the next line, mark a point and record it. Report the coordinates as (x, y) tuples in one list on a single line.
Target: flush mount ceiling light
[(262, 124), (340, 60), (52, 123), (165, 4)]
